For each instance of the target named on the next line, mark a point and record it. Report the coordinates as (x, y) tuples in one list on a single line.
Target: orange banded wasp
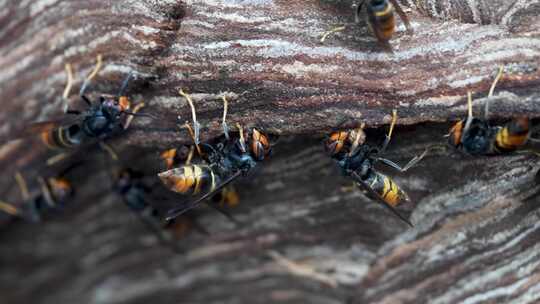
[(381, 19), (101, 120), (357, 160), (476, 136), (225, 161), (53, 194)]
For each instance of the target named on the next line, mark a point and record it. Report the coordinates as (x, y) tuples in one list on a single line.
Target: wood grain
[(476, 219)]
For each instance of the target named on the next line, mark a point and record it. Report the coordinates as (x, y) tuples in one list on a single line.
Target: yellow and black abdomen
[(381, 19), (513, 135), (62, 137), (190, 179), (386, 188)]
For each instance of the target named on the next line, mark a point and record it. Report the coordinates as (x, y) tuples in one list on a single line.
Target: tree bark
[(476, 230)]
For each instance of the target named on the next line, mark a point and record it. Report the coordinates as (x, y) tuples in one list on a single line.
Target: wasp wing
[(175, 212), (373, 193)]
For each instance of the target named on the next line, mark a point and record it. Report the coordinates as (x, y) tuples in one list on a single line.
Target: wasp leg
[(196, 125), (107, 148), (358, 139), (349, 188), (358, 11), (67, 89), (332, 31), (415, 160), (403, 16), (300, 270), (492, 89), (389, 135), (46, 192), (86, 100), (536, 153), (9, 209), (91, 75), (132, 115), (57, 158), (23, 186), (224, 122), (72, 112)]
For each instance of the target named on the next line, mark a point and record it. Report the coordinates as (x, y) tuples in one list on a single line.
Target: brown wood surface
[(477, 231)]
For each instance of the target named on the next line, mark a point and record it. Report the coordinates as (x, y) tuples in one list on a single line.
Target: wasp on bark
[(53, 194), (476, 136), (357, 160), (226, 160), (99, 121)]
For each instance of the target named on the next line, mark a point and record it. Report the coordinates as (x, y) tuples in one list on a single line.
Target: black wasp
[(99, 121), (226, 160), (357, 159), (476, 136), (135, 191)]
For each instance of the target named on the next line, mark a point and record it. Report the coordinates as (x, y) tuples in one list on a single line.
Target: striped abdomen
[(387, 189), (381, 19), (190, 179), (513, 135), (62, 137)]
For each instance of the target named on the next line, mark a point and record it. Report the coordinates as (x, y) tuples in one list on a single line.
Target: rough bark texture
[(477, 220)]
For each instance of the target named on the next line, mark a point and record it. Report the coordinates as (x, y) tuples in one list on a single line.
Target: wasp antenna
[(91, 75), (9, 209), (470, 112), (125, 83), (196, 125), (390, 131), (224, 122), (492, 89), (332, 31), (242, 139), (192, 135), (67, 89), (22, 186)]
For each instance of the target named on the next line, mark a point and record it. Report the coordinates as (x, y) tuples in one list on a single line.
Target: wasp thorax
[(260, 146)]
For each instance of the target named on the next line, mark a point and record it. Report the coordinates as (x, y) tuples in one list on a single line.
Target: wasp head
[(114, 107), (260, 145)]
